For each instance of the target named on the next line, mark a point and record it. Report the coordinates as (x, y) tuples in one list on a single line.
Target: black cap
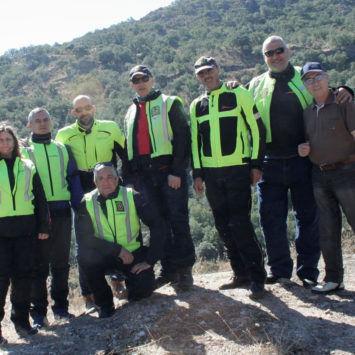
[(311, 67), (139, 70), (203, 63)]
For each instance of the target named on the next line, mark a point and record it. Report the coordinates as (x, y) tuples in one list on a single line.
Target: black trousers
[(179, 250), (228, 193), (15, 266), (52, 255), (95, 268)]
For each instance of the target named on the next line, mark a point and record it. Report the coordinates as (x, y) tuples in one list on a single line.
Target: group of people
[(239, 137)]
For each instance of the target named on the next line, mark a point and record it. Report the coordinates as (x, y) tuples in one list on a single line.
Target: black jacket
[(179, 160), (88, 243), (27, 225)]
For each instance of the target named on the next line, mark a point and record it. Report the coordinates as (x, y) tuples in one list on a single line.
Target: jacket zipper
[(49, 170)]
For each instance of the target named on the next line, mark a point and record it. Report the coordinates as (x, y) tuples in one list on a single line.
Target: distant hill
[(169, 40)]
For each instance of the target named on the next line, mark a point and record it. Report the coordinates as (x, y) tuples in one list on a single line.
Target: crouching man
[(110, 240)]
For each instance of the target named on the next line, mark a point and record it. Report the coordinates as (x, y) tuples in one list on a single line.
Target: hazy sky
[(32, 22)]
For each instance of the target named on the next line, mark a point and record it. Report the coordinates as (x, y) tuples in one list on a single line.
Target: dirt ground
[(288, 320)]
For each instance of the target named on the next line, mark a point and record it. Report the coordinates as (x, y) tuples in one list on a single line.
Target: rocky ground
[(289, 320)]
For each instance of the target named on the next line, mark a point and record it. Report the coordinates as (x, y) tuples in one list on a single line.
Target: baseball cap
[(139, 70), (312, 67), (203, 63)]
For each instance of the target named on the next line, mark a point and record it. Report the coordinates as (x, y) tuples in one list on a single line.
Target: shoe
[(40, 321), (327, 287), (62, 314), (106, 312), (235, 282), (185, 279), (25, 330), (118, 288), (89, 303), (165, 278), (307, 283), (257, 290), (273, 279), (3, 341)]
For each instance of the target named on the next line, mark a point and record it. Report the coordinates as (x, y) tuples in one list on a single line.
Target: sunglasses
[(272, 52), (314, 80), (144, 79), (82, 109), (205, 71)]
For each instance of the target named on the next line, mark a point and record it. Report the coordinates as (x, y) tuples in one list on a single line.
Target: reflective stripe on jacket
[(224, 129), (51, 161), (121, 225), (91, 146), (160, 132), (18, 201), (262, 88)]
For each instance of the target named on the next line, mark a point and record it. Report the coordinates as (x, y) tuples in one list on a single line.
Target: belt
[(333, 166)]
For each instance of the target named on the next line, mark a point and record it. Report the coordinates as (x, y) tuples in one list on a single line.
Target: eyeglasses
[(204, 72), (144, 79), (272, 52), (82, 109), (314, 80)]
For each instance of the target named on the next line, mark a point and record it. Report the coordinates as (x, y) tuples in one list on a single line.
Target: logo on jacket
[(119, 206), (155, 112)]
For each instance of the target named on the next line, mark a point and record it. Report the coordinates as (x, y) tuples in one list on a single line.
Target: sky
[(33, 22)]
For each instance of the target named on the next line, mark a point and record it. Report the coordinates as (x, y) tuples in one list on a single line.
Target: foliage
[(169, 40)]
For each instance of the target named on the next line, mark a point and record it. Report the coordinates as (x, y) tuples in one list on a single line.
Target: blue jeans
[(333, 189), (279, 177)]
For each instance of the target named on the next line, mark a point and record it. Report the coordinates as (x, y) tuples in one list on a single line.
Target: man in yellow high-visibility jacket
[(109, 238)]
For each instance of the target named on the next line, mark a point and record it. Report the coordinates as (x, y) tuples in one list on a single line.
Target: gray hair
[(35, 111), (272, 39), (79, 97), (100, 166)]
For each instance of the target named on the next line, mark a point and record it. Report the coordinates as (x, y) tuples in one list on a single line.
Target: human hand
[(174, 181), (136, 269), (304, 149), (342, 96), (232, 84), (255, 176), (198, 186), (43, 236), (126, 256)]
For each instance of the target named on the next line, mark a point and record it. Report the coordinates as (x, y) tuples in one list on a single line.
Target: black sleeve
[(148, 212), (41, 207), (86, 239), (181, 138)]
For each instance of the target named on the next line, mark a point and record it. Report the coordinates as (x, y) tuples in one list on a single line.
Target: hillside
[(169, 40), (290, 320)]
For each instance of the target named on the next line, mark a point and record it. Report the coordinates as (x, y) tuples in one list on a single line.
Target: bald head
[(80, 97)]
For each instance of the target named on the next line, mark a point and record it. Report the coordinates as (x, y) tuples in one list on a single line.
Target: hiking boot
[(118, 288), (257, 290), (62, 314), (89, 303), (25, 330), (2, 339), (40, 321), (165, 278), (235, 282), (185, 279), (106, 312)]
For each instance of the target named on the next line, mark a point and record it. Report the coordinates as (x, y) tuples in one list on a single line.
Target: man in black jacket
[(158, 149), (109, 238)]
